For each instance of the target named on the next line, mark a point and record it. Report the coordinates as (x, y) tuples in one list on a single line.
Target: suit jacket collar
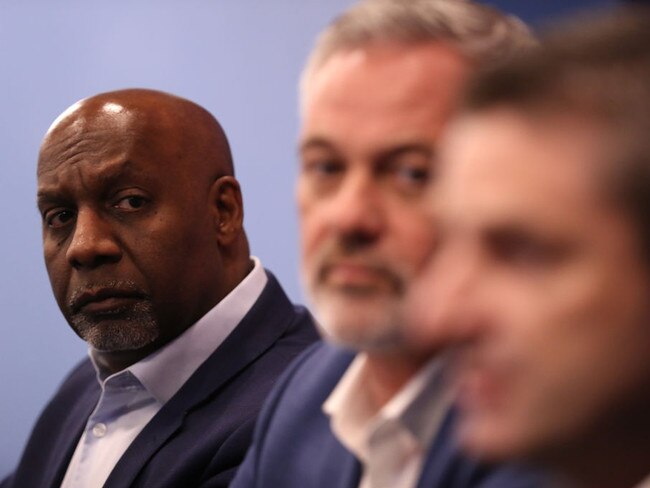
[(165, 371), (263, 325)]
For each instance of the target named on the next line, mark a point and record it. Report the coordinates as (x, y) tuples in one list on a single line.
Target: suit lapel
[(350, 470), (443, 466), (263, 325), (336, 467), (341, 467)]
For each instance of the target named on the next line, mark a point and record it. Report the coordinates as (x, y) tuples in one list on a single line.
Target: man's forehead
[(106, 173), (84, 111), (501, 166), (504, 143), (92, 139), (356, 96), (426, 68)]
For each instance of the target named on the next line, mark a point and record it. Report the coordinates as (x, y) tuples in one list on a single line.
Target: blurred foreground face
[(540, 277), (371, 122)]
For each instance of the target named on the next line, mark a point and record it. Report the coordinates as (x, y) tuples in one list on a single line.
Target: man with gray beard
[(364, 409), (148, 260)]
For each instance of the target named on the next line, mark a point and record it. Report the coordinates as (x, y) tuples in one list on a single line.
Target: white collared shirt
[(131, 398), (391, 443)]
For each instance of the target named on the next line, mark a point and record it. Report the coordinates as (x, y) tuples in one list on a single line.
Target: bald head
[(139, 204), (183, 129)]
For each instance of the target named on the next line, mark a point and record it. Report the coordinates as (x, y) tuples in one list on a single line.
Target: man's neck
[(112, 362), (387, 373)]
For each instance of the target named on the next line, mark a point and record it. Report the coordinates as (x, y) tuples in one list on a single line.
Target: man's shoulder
[(274, 305), (317, 370), (273, 330), (293, 426), (295, 404)]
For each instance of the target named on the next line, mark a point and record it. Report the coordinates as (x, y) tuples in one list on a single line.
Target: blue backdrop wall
[(238, 58)]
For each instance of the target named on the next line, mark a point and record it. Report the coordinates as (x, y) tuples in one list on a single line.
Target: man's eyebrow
[(107, 175), (317, 142), (411, 147), (46, 197)]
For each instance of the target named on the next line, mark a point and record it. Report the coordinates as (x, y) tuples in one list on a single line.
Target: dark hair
[(596, 68)]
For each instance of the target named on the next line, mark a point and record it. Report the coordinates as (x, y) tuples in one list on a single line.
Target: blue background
[(239, 58)]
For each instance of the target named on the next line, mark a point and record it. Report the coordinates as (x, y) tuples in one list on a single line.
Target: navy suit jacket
[(200, 436), (294, 447)]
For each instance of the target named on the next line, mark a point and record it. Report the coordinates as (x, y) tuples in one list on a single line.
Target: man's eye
[(132, 202), (58, 218), (412, 174), (322, 168), (521, 250), (409, 177)]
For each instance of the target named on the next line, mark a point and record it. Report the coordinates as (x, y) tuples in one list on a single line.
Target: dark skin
[(142, 220)]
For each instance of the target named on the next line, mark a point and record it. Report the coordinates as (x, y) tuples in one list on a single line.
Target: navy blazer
[(294, 446), (200, 436)]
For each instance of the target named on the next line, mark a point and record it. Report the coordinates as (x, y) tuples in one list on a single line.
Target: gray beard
[(133, 328)]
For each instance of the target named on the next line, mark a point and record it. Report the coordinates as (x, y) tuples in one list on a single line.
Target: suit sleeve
[(7, 482)]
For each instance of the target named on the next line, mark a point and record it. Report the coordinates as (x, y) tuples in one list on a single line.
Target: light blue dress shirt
[(130, 398)]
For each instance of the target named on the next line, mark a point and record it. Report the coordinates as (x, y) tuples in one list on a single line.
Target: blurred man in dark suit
[(542, 273)]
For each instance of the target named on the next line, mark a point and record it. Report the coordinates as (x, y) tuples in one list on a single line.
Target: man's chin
[(110, 343), (117, 335), (362, 325)]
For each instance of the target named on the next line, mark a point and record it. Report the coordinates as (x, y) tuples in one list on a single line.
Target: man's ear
[(227, 208)]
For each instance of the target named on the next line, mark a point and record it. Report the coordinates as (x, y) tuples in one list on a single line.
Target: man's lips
[(105, 300), (352, 274), (359, 275)]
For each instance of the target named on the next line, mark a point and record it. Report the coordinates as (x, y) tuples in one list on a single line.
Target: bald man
[(149, 263)]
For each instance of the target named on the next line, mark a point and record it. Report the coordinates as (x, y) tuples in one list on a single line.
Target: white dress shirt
[(391, 442), (130, 398)]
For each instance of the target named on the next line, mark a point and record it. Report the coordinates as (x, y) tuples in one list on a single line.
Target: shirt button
[(99, 430)]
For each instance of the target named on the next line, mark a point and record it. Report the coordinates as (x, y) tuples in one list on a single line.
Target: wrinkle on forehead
[(176, 130), (93, 146), (97, 136)]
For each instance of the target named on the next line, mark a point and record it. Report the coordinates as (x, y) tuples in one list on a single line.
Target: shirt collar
[(165, 371), (422, 403), (419, 406)]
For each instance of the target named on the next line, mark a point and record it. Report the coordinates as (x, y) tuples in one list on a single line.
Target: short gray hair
[(481, 33)]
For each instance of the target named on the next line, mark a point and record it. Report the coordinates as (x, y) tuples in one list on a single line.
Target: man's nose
[(357, 209), (93, 242), (456, 309)]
